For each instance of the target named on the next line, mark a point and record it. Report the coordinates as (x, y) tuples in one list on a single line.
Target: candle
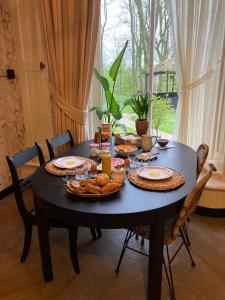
[(106, 164)]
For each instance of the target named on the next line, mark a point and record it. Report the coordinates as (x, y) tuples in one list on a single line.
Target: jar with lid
[(94, 150), (106, 146)]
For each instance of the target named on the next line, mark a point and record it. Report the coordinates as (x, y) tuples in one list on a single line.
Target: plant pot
[(141, 126), (106, 132)]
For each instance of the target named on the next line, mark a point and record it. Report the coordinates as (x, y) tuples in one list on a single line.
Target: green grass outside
[(167, 126), (169, 122)]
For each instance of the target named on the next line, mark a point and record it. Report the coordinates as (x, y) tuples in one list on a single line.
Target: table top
[(130, 203)]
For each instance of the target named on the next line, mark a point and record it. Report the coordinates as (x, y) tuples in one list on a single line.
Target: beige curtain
[(70, 29), (198, 30)]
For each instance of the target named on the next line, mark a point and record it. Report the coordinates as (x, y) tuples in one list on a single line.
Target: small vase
[(141, 127)]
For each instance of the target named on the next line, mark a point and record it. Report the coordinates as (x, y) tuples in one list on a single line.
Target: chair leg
[(99, 233), (27, 241), (187, 248), (73, 232), (142, 241), (136, 236), (168, 279), (170, 276), (185, 231), (126, 241), (93, 233)]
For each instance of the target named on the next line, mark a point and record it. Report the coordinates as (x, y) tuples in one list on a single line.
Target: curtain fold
[(70, 30), (198, 31)]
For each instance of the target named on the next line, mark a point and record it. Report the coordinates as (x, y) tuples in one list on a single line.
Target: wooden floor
[(98, 259)]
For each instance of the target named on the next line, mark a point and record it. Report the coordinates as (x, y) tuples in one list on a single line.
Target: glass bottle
[(107, 164)]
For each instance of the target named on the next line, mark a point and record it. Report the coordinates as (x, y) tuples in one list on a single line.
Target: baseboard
[(210, 212), (7, 191)]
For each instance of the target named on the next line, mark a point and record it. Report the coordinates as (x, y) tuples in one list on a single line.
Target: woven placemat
[(157, 185), (52, 169)]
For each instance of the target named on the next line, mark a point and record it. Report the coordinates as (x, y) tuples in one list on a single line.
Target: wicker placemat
[(157, 185), (51, 168)]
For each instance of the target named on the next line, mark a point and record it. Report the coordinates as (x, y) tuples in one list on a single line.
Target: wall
[(11, 114)]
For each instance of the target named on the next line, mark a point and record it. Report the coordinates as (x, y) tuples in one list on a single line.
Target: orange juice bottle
[(106, 164)]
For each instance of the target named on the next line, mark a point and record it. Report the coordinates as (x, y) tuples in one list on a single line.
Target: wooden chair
[(57, 142), (173, 230), (28, 216), (202, 154)]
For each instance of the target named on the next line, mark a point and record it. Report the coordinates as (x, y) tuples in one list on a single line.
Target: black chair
[(28, 216), (173, 229), (57, 142)]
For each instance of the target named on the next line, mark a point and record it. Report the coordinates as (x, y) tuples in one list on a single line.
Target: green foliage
[(161, 107), (112, 112), (140, 104), (116, 65)]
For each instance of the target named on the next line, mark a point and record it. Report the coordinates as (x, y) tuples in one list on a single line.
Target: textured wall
[(11, 115)]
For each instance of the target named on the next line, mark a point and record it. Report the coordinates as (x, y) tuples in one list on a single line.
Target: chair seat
[(144, 230)]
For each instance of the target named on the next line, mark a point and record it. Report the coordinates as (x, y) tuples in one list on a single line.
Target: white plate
[(154, 173), (68, 162)]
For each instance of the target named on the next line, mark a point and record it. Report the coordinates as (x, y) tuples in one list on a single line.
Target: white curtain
[(198, 30)]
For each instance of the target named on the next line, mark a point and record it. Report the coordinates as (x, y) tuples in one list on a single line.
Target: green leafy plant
[(161, 107), (140, 104), (112, 112)]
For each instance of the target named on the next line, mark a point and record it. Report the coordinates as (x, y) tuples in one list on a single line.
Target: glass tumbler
[(82, 173)]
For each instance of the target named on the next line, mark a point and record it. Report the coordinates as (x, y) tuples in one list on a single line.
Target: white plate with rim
[(154, 173), (68, 162)]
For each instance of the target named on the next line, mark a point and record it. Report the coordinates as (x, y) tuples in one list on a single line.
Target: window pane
[(129, 20)]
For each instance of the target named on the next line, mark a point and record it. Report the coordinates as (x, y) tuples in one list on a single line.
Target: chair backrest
[(190, 204), (202, 154), (19, 185), (59, 141)]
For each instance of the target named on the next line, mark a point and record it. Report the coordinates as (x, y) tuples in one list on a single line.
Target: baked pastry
[(75, 188), (93, 189), (116, 181), (110, 187), (87, 181), (102, 179)]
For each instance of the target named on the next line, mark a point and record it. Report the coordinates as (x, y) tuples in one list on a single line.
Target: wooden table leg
[(155, 259), (42, 225)]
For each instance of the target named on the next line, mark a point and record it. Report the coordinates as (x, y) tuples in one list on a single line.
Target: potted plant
[(112, 112), (140, 104)]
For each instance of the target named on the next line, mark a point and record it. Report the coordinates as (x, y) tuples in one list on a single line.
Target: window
[(123, 20)]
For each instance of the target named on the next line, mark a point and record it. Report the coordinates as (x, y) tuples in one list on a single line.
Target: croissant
[(110, 187), (93, 189), (87, 181)]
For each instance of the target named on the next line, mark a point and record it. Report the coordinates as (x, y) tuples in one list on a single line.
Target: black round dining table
[(129, 207)]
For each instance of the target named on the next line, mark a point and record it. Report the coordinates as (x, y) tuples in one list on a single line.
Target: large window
[(123, 20)]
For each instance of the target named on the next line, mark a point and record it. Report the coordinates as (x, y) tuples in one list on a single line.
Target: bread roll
[(102, 179)]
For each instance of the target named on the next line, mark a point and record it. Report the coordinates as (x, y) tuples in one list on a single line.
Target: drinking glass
[(67, 178), (134, 164), (82, 173)]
